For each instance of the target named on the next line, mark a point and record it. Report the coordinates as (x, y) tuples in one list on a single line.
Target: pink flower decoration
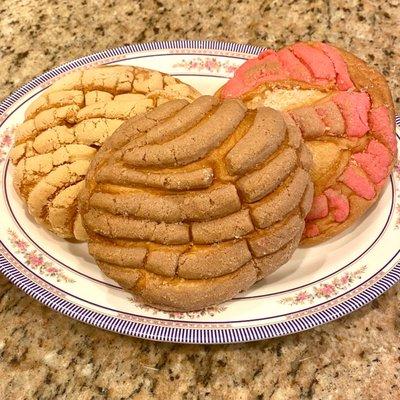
[(344, 279), (302, 296), (7, 141), (211, 64), (231, 68), (327, 290), (21, 245), (35, 260)]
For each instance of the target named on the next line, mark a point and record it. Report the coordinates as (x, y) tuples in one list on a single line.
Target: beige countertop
[(44, 355)]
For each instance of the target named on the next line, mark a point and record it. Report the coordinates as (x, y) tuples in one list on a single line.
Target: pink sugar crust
[(272, 69), (338, 204), (319, 64), (342, 74), (319, 208), (311, 230), (375, 161), (382, 128), (349, 113), (236, 86), (354, 178), (293, 65), (266, 67), (354, 107)]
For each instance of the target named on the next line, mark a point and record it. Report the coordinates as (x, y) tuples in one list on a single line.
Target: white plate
[(317, 285)]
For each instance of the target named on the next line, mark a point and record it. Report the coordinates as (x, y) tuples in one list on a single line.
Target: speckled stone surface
[(44, 355), (38, 35)]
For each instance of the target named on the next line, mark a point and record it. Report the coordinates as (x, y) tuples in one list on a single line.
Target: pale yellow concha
[(65, 126)]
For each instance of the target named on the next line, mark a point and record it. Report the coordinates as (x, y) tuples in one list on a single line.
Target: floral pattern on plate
[(325, 290), (210, 311), (35, 260), (6, 141), (210, 64)]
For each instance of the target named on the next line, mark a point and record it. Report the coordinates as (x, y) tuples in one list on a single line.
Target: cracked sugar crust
[(189, 204), (345, 113), (66, 125)]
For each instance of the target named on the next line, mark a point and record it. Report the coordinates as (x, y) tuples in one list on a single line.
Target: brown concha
[(65, 126), (190, 204)]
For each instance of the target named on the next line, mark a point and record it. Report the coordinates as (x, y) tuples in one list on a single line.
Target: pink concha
[(264, 54), (354, 107), (356, 180), (342, 74), (236, 86), (382, 127), (375, 161), (338, 204), (381, 184), (345, 113)]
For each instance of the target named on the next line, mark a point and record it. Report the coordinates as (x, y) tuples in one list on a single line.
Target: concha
[(345, 112), (65, 126), (192, 203)]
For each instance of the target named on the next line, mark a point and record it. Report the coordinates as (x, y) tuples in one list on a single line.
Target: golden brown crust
[(181, 294)]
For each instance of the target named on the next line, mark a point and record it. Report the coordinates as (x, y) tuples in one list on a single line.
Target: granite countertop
[(44, 355)]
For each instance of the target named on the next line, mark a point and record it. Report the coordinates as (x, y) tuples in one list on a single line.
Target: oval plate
[(317, 285)]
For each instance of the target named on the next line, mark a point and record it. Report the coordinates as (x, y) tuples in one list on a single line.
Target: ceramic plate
[(317, 285)]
